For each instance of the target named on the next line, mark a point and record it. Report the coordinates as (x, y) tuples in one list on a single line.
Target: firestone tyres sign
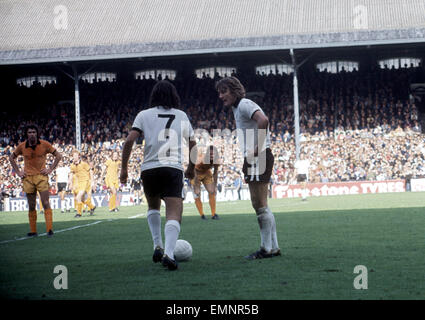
[(339, 188)]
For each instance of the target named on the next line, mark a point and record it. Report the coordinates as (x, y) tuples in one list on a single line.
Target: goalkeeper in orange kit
[(203, 174)]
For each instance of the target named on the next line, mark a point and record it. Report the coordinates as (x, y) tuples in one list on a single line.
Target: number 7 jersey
[(165, 131)]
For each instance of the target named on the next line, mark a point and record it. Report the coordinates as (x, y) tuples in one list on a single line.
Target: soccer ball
[(183, 250)]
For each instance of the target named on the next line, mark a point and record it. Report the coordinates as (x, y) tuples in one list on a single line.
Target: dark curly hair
[(164, 94)]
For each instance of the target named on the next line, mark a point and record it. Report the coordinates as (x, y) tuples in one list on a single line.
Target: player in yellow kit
[(111, 179), (89, 190), (203, 174), (73, 188), (82, 172)]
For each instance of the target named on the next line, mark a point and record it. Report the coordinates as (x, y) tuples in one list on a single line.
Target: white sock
[(171, 231), (260, 211), (265, 222), (62, 205), (154, 222), (275, 244)]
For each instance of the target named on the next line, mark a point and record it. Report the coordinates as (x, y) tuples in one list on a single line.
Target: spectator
[(356, 122)]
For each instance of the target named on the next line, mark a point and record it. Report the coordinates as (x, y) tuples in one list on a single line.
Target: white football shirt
[(247, 128), (62, 174), (302, 166), (165, 131)]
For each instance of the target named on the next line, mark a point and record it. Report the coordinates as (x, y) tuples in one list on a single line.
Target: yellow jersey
[(81, 171), (112, 169)]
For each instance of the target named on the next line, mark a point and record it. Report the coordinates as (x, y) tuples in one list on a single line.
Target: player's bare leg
[(89, 203), (304, 190), (212, 199), (113, 199), (48, 215), (197, 195), (258, 191), (80, 202), (32, 213), (62, 200), (136, 196), (75, 200), (40, 203), (67, 202), (64, 205)]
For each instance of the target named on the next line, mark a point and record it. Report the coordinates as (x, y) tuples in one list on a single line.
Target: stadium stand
[(354, 125)]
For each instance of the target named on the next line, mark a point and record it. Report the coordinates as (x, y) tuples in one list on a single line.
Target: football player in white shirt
[(165, 129), (302, 166), (62, 175), (254, 139)]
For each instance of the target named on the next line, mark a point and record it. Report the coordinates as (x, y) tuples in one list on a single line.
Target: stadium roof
[(41, 31)]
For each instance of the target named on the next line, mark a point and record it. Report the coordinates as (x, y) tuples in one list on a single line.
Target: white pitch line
[(137, 215), (69, 229), (57, 231)]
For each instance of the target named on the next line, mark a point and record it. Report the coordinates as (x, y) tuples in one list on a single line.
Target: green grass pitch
[(109, 255)]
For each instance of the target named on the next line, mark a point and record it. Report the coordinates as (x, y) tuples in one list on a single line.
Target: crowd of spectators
[(354, 125)]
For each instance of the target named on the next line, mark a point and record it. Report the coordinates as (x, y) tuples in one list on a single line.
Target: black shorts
[(163, 182), (137, 187), (61, 186), (301, 177), (261, 171)]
